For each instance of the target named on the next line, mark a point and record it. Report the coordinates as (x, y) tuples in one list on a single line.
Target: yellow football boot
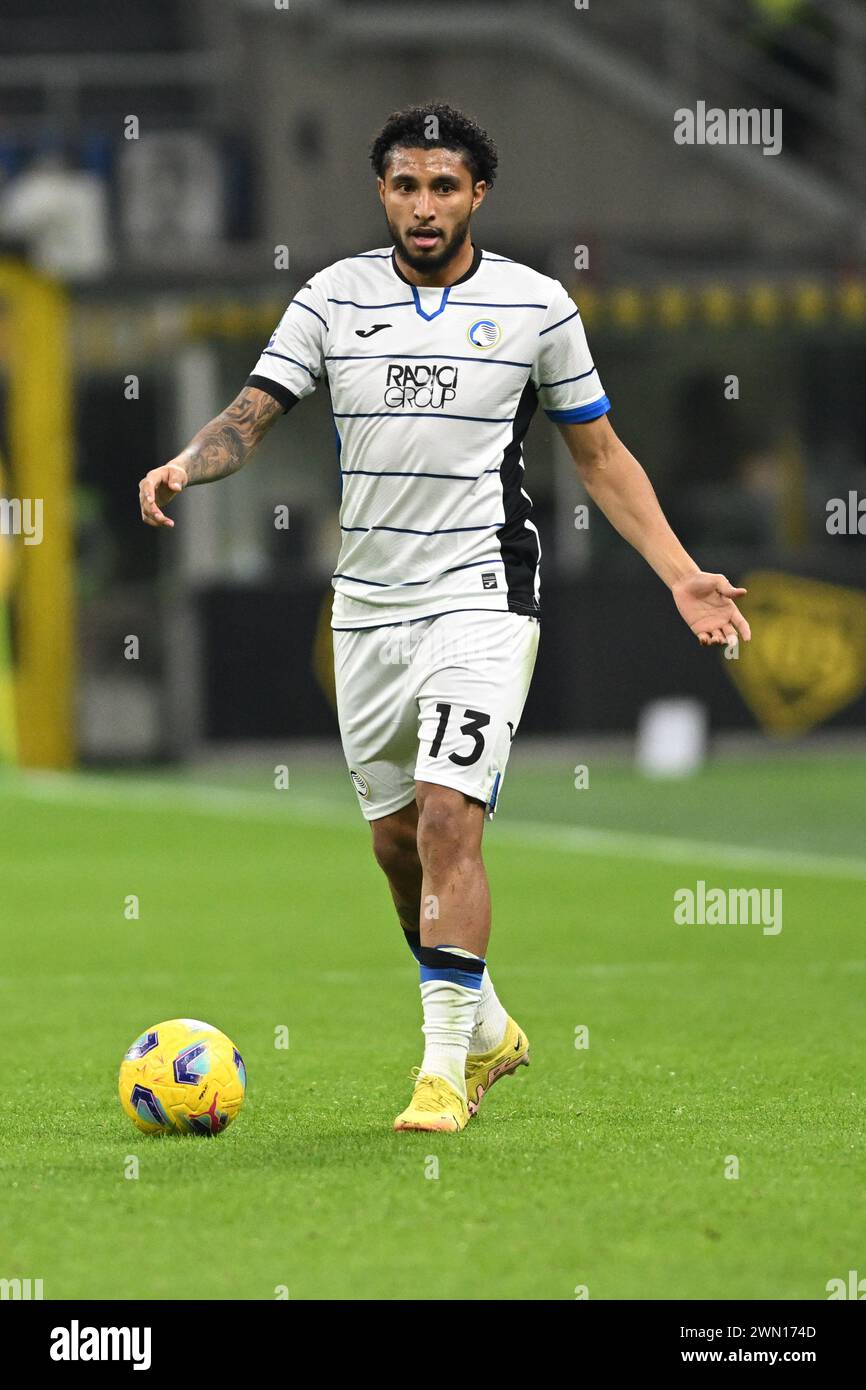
[(435, 1105), (486, 1067)]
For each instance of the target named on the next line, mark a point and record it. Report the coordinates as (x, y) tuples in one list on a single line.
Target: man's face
[(429, 199)]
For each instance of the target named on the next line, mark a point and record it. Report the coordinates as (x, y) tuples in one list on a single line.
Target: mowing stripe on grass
[(169, 795)]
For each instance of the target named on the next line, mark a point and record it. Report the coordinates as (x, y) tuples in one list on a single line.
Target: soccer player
[(436, 354)]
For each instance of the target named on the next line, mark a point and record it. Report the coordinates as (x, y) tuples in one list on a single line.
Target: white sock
[(449, 1017), (490, 1021)]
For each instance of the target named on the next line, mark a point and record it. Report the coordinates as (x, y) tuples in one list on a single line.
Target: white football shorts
[(434, 700)]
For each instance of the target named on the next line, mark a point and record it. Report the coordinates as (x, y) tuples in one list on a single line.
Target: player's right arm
[(288, 369), (222, 447)]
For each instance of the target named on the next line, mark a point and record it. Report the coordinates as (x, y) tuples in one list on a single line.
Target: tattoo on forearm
[(225, 444)]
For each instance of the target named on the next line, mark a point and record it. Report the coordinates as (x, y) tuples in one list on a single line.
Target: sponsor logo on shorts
[(360, 785), (489, 581)]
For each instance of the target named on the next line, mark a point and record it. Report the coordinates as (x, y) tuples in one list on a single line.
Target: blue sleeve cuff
[(580, 412)]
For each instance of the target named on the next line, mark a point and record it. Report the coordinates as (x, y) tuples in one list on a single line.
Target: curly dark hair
[(408, 129)]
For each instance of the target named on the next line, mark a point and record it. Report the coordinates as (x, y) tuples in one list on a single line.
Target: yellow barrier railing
[(39, 437)]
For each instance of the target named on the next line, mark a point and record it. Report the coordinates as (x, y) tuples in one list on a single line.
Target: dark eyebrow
[(439, 178)]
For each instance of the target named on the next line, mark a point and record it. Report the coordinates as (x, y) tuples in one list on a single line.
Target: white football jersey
[(432, 391)]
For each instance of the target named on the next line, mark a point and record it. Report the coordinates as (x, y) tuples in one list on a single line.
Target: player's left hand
[(706, 603)]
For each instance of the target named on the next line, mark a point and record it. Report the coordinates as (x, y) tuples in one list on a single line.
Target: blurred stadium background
[(138, 283)]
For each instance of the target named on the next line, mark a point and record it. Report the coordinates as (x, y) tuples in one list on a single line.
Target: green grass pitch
[(601, 1167)]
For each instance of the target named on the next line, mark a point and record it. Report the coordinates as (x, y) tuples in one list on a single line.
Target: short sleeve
[(564, 373), (294, 359)]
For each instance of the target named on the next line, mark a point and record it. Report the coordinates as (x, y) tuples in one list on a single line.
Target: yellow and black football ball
[(182, 1076)]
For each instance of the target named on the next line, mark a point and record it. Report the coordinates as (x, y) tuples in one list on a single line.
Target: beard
[(429, 262)]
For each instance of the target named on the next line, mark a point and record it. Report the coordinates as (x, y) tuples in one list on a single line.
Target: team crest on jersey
[(360, 785), (484, 333)]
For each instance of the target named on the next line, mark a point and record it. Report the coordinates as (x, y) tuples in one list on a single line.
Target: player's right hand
[(156, 490)]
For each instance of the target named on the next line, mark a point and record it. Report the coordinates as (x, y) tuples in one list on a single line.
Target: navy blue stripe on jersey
[(269, 352), (494, 304), (423, 357), (395, 304), (299, 304), (420, 415), (567, 319), (566, 379), (519, 542), (451, 303), (280, 393), (401, 473), (413, 583), (409, 531), (580, 413)]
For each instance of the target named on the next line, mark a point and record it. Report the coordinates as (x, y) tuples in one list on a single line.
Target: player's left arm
[(619, 486)]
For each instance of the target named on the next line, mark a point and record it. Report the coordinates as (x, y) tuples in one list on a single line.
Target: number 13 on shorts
[(469, 709), (476, 722), (464, 747)]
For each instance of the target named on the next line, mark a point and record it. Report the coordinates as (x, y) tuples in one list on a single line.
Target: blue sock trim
[(467, 978), (436, 963)]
